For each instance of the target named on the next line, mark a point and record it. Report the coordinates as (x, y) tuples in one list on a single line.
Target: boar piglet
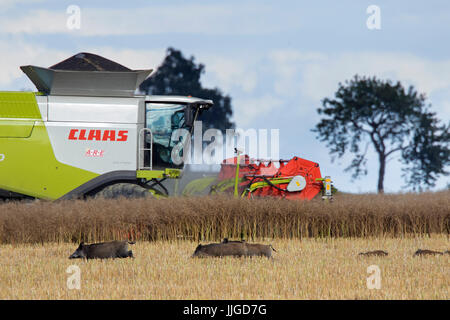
[(426, 252), (379, 253)]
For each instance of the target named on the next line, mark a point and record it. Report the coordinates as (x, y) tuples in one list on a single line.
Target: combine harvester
[(243, 176), (86, 129)]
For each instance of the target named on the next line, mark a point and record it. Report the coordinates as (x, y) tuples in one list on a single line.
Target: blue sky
[(276, 59)]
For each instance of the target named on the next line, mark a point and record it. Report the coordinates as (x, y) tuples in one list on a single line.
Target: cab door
[(162, 119)]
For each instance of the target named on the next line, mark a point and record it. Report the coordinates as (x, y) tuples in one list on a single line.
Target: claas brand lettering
[(99, 135)]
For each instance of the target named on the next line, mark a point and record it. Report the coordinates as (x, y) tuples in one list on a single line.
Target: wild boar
[(379, 253), (104, 250), (220, 250), (426, 252), (256, 249)]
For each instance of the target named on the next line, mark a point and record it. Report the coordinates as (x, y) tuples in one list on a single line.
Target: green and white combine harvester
[(87, 129)]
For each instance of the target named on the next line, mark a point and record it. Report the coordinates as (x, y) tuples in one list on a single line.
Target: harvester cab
[(164, 115), (87, 128)]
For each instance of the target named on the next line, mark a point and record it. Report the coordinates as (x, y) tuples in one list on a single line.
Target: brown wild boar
[(104, 250), (426, 252), (220, 250), (256, 249), (379, 253)]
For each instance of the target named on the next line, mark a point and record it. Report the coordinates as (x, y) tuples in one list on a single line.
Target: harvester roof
[(85, 61), (203, 103)]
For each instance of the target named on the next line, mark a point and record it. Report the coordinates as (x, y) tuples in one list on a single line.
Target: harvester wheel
[(126, 190)]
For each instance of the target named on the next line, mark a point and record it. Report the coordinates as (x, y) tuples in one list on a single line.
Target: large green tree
[(178, 75), (393, 120)]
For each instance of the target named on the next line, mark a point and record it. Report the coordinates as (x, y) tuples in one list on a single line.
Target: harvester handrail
[(142, 149), (266, 176)]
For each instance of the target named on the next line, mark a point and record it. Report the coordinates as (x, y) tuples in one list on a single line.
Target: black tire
[(126, 190)]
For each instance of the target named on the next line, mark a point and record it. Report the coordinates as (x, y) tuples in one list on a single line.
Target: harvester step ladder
[(142, 149)]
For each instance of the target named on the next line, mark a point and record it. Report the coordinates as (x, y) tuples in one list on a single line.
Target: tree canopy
[(178, 75), (393, 120)]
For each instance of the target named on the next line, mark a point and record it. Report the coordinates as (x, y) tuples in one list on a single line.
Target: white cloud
[(247, 109), (428, 76), (35, 22), (208, 19), (229, 73), (256, 82), (18, 53), (288, 67), (316, 75), (12, 3)]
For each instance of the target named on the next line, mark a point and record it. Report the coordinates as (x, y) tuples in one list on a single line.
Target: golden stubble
[(327, 268)]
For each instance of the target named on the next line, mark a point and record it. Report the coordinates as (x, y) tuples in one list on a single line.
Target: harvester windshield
[(163, 119)]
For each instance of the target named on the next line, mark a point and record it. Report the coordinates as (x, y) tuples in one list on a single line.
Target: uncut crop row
[(212, 218)]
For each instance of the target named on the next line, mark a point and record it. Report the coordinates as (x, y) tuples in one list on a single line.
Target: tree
[(369, 111), (180, 76)]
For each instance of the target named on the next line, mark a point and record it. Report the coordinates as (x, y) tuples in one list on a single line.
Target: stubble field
[(326, 268), (317, 247)]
